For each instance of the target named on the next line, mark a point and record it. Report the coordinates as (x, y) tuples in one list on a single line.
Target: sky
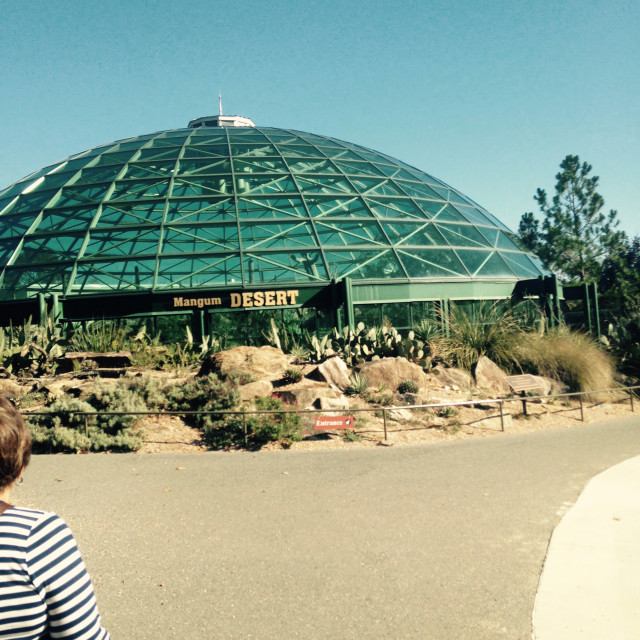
[(488, 96)]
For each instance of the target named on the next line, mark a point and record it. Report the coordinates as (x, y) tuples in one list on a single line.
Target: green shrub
[(292, 375), (408, 386), (115, 397), (281, 427), (448, 412)]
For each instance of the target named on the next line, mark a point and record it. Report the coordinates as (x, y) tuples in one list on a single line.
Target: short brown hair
[(15, 443)]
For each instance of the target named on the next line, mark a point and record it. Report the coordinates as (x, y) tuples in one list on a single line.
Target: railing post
[(384, 421), (244, 428), (581, 409), (86, 425), (501, 415), (631, 396)]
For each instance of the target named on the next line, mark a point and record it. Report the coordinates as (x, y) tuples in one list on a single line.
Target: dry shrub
[(571, 357)]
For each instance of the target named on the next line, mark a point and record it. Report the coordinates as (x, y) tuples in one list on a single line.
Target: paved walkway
[(589, 587), (441, 542)]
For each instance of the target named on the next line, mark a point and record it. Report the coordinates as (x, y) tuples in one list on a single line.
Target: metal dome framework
[(213, 208)]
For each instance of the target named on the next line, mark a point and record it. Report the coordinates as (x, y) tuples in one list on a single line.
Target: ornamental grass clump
[(569, 356)]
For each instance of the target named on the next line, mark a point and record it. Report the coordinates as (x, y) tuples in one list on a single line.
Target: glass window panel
[(248, 183), (139, 189), (50, 249), (30, 281), (282, 138), (397, 314), (207, 151), (304, 266), (417, 233), (369, 314), (329, 207), (259, 165), (7, 247), (120, 275), (277, 235), (130, 242), (97, 174), (364, 264), (462, 235), (199, 271), (324, 184), (250, 150), (522, 265), (164, 154), (417, 190), (395, 208), (114, 158), (157, 169), (171, 328), (396, 172), (486, 261), (424, 309), (229, 327), (208, 166), (184, 186), (372, 187), (163, 142), (447, 213), (312, 166), (301, 151), (270, 208), (349, 233), (32, 201), (82, 194), (200, 210), (432, 263), (352, 167), (129, 213), (205, 136), (16, 226), (205, 239)]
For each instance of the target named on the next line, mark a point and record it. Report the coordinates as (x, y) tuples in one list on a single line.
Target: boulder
[(332, 404), (257, 389), (267, 363), (453, 378), (335, 372), (549, 386), (490, 377), (399, 415), (309, 397), (10, 389), (390, 372)]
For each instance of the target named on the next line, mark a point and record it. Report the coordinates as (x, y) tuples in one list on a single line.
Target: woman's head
[(15, 444)]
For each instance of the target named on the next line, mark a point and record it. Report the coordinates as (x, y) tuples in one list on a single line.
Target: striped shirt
[(44, 585)]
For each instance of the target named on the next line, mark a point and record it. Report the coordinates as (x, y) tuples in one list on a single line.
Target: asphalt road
[(444, 541)]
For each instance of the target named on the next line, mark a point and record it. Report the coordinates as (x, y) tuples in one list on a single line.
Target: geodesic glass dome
[(215, 206)]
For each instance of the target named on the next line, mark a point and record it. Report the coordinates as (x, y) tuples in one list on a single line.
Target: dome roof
[(238, 205)]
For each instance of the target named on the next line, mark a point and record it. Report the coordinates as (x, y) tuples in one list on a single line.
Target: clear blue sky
[(488, 96)]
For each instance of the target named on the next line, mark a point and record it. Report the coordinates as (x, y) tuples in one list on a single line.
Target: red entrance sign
[(329, 423)]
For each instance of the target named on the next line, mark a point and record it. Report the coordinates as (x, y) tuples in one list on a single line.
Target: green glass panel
[(432, 263), (130, 242), (270, 208), (195, 271), (164, 142), (139, 189), (259, 165), (351, 167), (209, 166), (16, 226), (462, 235), (149, 170), (114, 158), (373, 187), (325, 184), (205, 136), (131, 213), (486, 261), (207, 151), (201, 239), (81, 194), (252, 151), (282, 267), (200, 210), (350, 233), (282, 138), (7, 247), (397, 314), (330, 207), (364, 264), (417, 190), (163, 154), (369, 314), (312, 166), (342, 154), (49, 249), (114, 276), (522, 265), (5, 202), (301, 151), (31, 281), (414, 233), (446, 213), (96, 174), (277, 235), (247, 183), (201, 186), (31, 201), (129, 146), (395, 208), (54, 181)]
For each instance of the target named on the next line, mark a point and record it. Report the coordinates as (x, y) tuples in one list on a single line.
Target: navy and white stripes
[(43, 581)]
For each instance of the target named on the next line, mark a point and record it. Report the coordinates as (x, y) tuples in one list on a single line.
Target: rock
[(490, 377), (335, 372), (309, 397), (108, 360), (10, 389), (390, 372), (267, 363), (332, 404), (549, 386), (398, 415), (257, 389), (456, 379)]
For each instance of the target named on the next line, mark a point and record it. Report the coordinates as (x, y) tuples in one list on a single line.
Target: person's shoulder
[(31, 517)]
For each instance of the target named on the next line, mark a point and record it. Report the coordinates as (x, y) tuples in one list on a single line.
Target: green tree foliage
[(620, 281), (575, 235)]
